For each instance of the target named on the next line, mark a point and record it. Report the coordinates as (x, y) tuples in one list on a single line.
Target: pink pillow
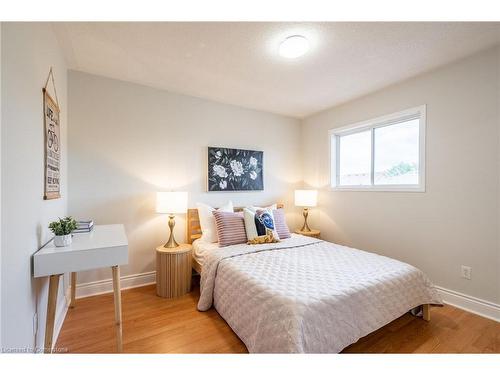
[(230, 228), (280, 224)]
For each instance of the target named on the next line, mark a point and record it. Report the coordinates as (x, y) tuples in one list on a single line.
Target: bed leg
[(426, 312)]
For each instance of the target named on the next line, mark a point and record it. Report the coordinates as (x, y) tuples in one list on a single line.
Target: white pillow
[(249, 218), (254, 209), (207, 220), (271, 207)]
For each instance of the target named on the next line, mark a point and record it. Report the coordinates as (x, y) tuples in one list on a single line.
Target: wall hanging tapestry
[(52, 147)]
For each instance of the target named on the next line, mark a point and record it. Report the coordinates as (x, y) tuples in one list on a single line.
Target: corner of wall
[(498, 208), (29, 51), (1, 321)]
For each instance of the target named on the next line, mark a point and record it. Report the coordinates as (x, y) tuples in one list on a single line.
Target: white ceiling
[(238, 63)]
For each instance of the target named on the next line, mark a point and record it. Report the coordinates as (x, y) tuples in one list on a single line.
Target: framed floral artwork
[(232, 169)]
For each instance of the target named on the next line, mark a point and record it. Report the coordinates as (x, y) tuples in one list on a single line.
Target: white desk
[(104, 246)]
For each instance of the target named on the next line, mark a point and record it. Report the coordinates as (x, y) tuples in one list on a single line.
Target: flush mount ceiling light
[(294, 46)]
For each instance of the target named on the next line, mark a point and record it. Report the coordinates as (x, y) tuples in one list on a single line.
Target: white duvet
[(304, 295)]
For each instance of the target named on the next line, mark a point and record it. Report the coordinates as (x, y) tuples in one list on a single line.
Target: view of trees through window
[(395, 155)]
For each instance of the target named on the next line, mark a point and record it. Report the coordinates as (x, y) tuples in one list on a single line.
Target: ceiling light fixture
[(294, 46)]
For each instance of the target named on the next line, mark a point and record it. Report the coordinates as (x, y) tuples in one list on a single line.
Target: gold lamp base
[(171, 243), (305, 227)]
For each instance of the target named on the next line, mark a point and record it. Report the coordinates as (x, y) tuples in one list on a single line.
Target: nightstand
[(173, 271), (313, 233)]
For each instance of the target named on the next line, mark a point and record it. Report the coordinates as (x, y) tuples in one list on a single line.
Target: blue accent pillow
[(264, 220)]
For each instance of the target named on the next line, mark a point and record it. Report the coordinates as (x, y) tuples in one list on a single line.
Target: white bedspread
[(200, 248), (304, 295)]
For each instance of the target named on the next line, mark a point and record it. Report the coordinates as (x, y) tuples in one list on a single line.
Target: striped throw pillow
[(280, 223), (230, 228)]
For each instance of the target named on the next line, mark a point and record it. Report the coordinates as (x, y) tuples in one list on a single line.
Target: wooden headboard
[(193, 223)]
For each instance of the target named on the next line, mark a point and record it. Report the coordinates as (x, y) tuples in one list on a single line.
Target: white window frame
[(394, 118)]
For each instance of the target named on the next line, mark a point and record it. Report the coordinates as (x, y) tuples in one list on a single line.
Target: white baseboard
[(106, 286), (474, 305)]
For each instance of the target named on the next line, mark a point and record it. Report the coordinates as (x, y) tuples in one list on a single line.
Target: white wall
[(498, 177), (0, 185), (28, 52), (128, 141), (456, 221)]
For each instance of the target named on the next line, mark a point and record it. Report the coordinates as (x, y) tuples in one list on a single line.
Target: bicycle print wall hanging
[(52, 127)]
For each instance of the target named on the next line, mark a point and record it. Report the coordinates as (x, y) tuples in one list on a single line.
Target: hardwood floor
[(156, 325)]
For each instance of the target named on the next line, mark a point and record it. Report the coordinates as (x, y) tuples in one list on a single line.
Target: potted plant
[(62, 230)]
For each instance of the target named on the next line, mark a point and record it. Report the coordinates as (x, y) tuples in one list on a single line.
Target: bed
[(193, 228), (305, 295)]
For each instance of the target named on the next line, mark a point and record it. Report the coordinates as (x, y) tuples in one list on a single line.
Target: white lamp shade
[(171, 202), (306, 198)]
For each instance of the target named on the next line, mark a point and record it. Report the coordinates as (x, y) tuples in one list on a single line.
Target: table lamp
[(171, 202), (306, 199)]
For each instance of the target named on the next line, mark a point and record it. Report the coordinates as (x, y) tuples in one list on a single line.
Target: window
[(383, 154)]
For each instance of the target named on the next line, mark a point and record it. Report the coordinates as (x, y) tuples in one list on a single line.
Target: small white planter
[(61, 241)]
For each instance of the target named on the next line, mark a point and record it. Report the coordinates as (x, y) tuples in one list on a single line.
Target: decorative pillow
[(264, 220), (207, 220), (280, 223), (268, 238), (230, 228), (271, 207), (249, 218)]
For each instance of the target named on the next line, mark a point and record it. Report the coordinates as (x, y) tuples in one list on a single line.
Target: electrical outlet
[(35, 323), (466, 272)]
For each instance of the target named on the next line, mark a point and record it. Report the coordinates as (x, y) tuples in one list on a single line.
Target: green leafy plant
[(63, 226)]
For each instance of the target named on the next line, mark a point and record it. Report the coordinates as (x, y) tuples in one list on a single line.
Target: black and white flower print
[(232, 169)]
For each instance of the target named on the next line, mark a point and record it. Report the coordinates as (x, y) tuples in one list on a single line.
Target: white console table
[(104, 246)]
